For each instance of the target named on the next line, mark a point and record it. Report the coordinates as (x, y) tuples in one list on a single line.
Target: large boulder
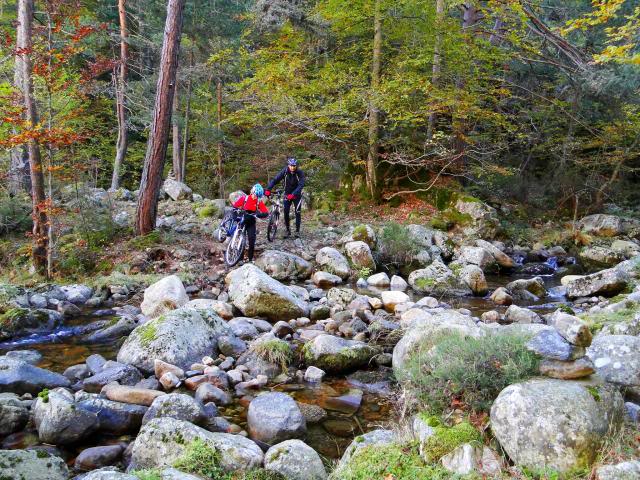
[(438, 279), (485, 222), (600, 257), (284, 265), (274, 417), (224, 309), (605, 282), (175, 405), (177, 190), (164, 441), (504, 260), (547, 423), (359, 255), (476, 256), (164, 295), (256, 294), (59, 420), (527, 288), (112, 372), (116, 418), (14, 414), (620, 471), (20, 322), (474, 278), (21, 377), (31, 465), (335, 354), (295, 460), (602, 225), (180, 337), (616, 358), (331, 260)]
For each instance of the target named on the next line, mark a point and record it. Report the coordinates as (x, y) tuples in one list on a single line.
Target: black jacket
[(293, 182)]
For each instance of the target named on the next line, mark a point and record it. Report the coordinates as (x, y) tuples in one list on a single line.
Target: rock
[(222, 309), (605, 282), (326, 279), (392, 298), (274, 417), (59, 421), (437, 279), (320, 312), (115, 418), (616, 358), (485, 219), (378, 437), (332, 261), (314, 374), (134, 395), (467, 459), (77, 294), (164, 295), (490, 317), (284, 266), (476, 256), (95, 363), (210, 393), (231, 346), (633, 412), (258, 366), (31, 465), (175, 405), (160, 368), (524, 288), (106, 473), (281, 329), (256, 294), (398, 283), (340, 297), (620, 471), (312, 413), (20, 377), (501, 296), (121, 373), (29, 356), (97, 457), (244, 328), (163, 441), (20, 322), (504, 260), (359, 255), (474, 278), (625, 248), (550, 344), (574, 330), (335, 354), (295, 460), (379, 280), (180, 337), (177, 190), (582, 367), (14, 414), (547, 423), (600, 257), (515, 314), (602, 225)]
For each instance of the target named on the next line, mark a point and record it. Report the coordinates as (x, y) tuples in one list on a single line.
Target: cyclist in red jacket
[(252, 205)]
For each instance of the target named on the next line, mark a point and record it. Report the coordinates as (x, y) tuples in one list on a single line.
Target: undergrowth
[(273, 351)]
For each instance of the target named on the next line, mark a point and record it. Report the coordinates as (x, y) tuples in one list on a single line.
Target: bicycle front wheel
[(273, 226), (235, 249)]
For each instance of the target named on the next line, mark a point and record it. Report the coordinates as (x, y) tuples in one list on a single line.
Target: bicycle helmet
[(291, 161), (258, 190)]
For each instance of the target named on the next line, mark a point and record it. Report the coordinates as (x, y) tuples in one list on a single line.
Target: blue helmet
[(258, 190), (291, 161)]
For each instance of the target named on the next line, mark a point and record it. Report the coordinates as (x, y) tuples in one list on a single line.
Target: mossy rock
[(447, 439)]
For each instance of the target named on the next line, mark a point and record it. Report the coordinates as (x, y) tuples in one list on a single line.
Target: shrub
[(466, 372), (15, 214), (273, 351), (397, 244), (200, 459), (208, 210)]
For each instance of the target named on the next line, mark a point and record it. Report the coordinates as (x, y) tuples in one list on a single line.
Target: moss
[(596, 321), (207, 211), (341, 360), (44, 395), (360, 233), (445, 440), (145, 241), (274, 351), (424, 283), (563, 307), (42, 454), (200, 459), (430, 419), (153, 474), (149, 331), (595, 393)]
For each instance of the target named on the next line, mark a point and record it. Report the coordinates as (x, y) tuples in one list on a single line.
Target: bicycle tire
[(235, 249), (272, 228), (221, 233)]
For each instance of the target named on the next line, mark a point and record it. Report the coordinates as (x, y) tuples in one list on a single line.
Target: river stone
[(392, 298), (29, 356), (223, 309), (77, 294), (244, 328), (617, 358), (602, 225), (484, 217), (256, 294), (31, 465), (476, 256), (14, 414), (378, 437), (180, 337), (605, 282), (379, 280), (626, 248), (164, 295), (473, 277), (438, 279), (19, 322), (550, 344), (163, 441), (21, 377), (359, 255), (284, 265), (106, 473), (398, 283), (331, 260), (523, 288), (208, 392), (177, 190), (259, 366), (620, 471), (59, 420), (116, 418), (573, 329), (295, 460), (555, 423), (504, 260), (582, 367), (515, 314), (134, 395), (121, 373), (160, 368), (326, 279), (501, 296), (274, 417), (97, 457), (230, 345), (600, 257), (467, 459), (336, 355), (340, 297), (175, 405)]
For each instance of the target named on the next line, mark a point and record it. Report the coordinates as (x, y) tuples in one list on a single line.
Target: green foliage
[(149, 474), (596, 321), (145, 241), (207, 211), (273, 351), (364, 272), (397, 245), (468, 371), (447, 439), (15, 214), (200, 459), (44, 395), (149, 331)]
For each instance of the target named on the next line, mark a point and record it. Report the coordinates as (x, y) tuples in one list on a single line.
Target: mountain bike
[(274, 216), (237, 242), (227, 226)]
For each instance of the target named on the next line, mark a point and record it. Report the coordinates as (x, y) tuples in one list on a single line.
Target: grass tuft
[(273, 351)]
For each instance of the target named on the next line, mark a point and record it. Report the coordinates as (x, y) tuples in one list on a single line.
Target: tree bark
[(219, 150), (374, 133), (121, 88), (176, 141), (437, 61), (185, 137), (24, 46), (158, 136)]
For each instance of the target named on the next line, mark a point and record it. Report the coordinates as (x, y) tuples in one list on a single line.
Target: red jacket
[(247, 203)]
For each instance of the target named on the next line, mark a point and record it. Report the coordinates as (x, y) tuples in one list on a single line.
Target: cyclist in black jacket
[(293, 184)]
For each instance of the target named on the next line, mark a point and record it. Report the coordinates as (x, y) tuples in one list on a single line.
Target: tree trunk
[(185, 137), (175, 143), (121, 88), (437, 61), (23, 58), (372, 156), (158, 135), (219, 153)]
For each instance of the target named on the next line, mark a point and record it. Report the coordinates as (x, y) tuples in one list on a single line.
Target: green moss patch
[(274, 351), (446, 439)]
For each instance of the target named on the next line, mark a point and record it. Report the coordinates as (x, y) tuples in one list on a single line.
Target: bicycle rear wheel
[(273, 226), (235, 249)]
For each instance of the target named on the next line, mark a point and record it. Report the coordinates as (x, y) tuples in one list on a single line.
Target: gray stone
[(98, 457), (602, 225), (438, 279), (31, 465), (515, 314), (501, 296), (163, 296), (59, 420), (116, 418), (527, 288), (210, 393), (359, 255), (29, 356), (474, 278), (244, 328), (123, 374), (177, 190), (620, 471), (379, 280), (332, 261), (335, 354), (605, 282), (616, 358), (284, 265), (106, 473), (274, 417), (550, 344), (295, 460), (326, 279), (582, 367), (175, 405), (574, 330), (398, 283), (77, 294), (230, 345), (95, 363), (14, 414), (223, 309), (378, 437), (20, 377), (478, 256), (467, 459)]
